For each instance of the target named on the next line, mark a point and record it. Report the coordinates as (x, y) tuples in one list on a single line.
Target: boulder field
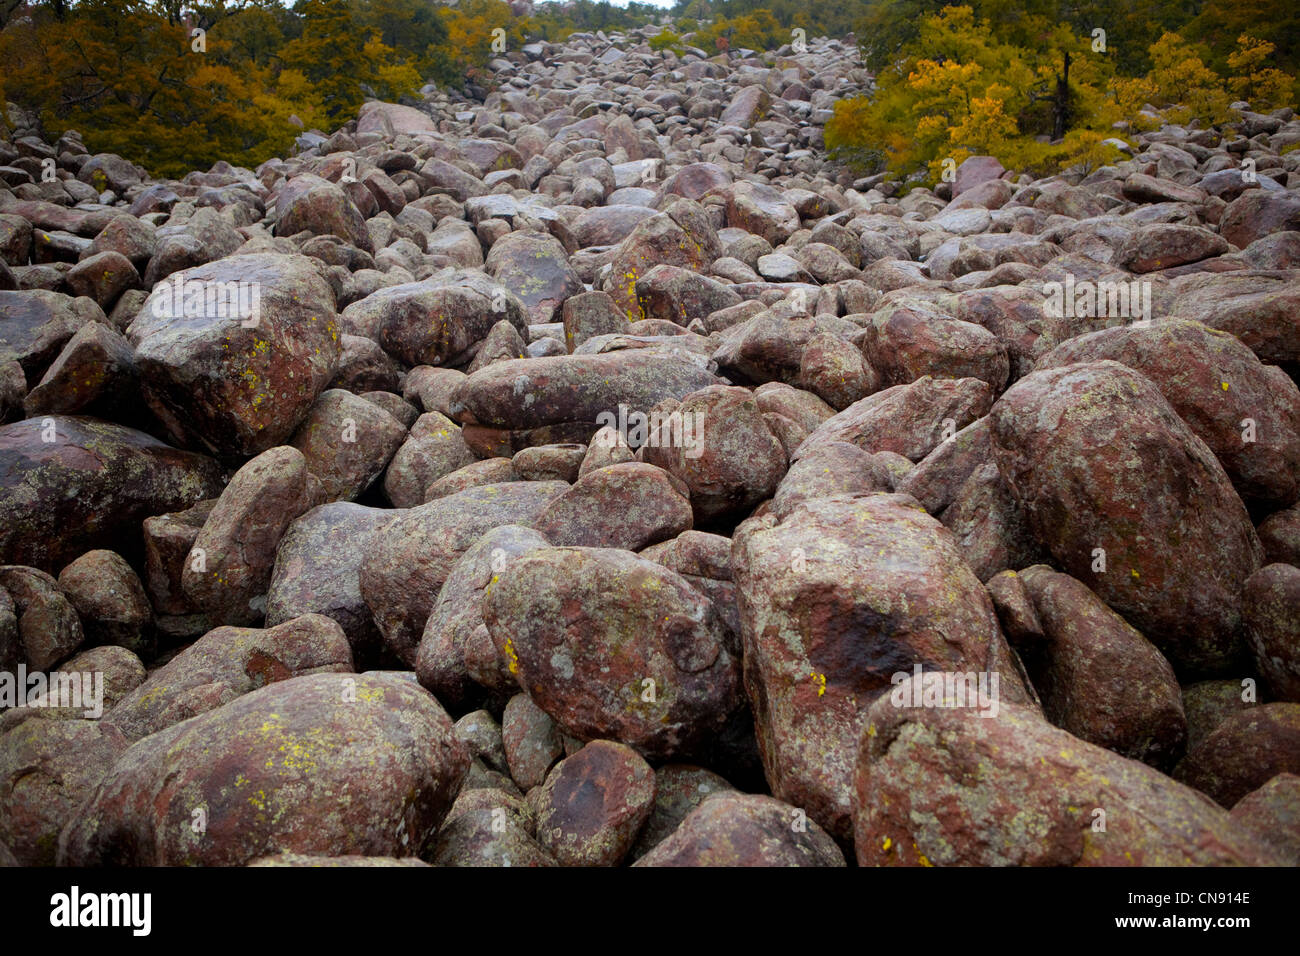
[(598, 474)]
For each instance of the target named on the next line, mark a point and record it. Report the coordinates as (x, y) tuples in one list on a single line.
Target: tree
[(1263, 86), (960, 90), (1184, 84)]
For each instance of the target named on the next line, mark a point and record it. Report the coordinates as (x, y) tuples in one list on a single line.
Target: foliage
[(1024, 80), (666, 40), (1034, 91), (753, 31), (1264, 86)]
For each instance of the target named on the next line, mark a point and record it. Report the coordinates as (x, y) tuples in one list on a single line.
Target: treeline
[(175, 86), (890, 27), (832, 19), (1044, 84)]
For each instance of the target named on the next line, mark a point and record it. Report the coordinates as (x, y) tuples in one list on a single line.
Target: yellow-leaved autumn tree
[(1184, 85), (961, 92), (1263, 86)]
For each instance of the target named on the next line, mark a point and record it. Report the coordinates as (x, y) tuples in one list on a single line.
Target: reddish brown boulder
[(347, 442), (741, 829), (834, 369), (228, 569), (1244, 752), (906, 343), (593, 805), (615, 647), (450, 639), (1129, 501), (437, 321), (534, 267), (318, 571), (308, 203), (327, 764), (717, 442), (1246, 411), (1208, 703), (1257, 213), (762, 210), (531, 740), (833, 468), (1098, 677), (835, 601), (1041, 798), (121, 477), (533, 393), (1261, 309), (1273, 813), (1165, 245), (44, 628), (1279, 533), (95, 374), (626, 506), (1272, 608), (109, 599), (911, 420), (487, 836), (226, 663), (237, 371), (679, 789), (410, 557), (48, 768), (681, 235)]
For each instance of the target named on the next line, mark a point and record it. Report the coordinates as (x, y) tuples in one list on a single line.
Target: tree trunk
[(1061, 101)]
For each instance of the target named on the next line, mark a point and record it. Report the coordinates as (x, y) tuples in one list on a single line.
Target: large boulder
[(36, 324), (535, 267), (615, 647), (1098, 677), (910, 420), (455, 650), (308, 203), (436, 321), (630, 506), (346, 442), (836, 600), (1129, 501), (532, 393), (1040, 797), (48, 768), (410, 557), (722, 448), (1244, 752), (762, 210), (1271, 600), (226, 663), (231, 379), (229, 566), (682, 235), (327, 764), (318, 571), (88, 486), (742, 829), (1257, 213), (593, 805), (1246, 411)]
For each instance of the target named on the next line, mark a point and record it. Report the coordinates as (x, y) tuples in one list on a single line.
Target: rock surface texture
[(592, 472)]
